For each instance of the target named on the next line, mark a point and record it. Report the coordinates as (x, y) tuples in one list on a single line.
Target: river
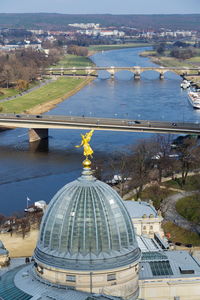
[(38, 175)]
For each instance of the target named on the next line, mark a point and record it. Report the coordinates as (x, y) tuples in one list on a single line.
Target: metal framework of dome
[(87, 227)]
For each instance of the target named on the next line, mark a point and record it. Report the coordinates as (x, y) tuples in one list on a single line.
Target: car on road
[(133, 122), (18, 116), (38, 116)]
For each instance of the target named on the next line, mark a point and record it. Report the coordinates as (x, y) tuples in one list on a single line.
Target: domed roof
[(86, 227)]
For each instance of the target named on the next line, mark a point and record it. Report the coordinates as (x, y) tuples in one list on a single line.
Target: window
[(151, 227), (71, 278), (111, 277), (144, 227), (160, 268)]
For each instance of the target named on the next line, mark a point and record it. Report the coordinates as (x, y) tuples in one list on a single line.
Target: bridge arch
[(103, 74), (127, 74)]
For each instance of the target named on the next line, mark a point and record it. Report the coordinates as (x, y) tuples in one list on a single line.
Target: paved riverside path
[(168, 208)]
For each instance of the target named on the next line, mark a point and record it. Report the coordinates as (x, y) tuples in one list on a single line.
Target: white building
[(146, 220)]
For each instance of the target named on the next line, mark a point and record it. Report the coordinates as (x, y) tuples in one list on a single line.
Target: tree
[(184, 53), (7, 75), (161, 48), (22, 85), (162, 147), (77, 50), (119, 168), (188, 158), (140, 165)]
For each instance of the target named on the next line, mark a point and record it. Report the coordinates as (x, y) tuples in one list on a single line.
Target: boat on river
[(194, 98), (185, 84)]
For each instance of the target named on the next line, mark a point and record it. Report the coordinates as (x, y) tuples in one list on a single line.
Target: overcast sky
[(102, 6)]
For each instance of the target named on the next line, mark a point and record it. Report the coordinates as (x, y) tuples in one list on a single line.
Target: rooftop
[(137, 209), (86, 226), (170, 264)]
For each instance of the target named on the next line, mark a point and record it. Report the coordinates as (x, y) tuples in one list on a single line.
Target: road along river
[(26, 172)]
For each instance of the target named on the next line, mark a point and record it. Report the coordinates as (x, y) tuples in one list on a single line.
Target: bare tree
[(140, 165), (162, 147), (188, 158), (7, 75)]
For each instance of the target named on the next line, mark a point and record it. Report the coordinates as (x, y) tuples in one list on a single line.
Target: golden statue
[(86, 146)]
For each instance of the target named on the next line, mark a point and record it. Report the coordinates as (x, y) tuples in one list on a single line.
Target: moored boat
[(194, 98), (185, 84)]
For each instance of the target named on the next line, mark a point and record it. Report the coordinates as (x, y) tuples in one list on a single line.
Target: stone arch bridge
[(136, 70)]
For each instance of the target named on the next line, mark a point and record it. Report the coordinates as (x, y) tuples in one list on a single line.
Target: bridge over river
[(136, 70), (38, 125)]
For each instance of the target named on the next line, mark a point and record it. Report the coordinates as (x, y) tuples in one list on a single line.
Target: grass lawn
[(6, 93), (194, 60), (156, 194), (117, 46), (189, 208), (192, 183), (70, 60), (51, 91), (181, 235)]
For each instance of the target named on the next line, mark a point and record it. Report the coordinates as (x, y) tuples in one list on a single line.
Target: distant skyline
[(101, 7)]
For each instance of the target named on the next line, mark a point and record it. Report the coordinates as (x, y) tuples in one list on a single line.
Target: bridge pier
[(161, 76), (74, 71), (137, 76), (36, 134), (39, 146), (112, 76)]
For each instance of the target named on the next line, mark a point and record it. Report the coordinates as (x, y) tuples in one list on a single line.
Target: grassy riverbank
[(70, 60), (96, 48), (168, 61), (46, 97)]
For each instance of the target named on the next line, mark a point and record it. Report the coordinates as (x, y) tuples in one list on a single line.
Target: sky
[(101, 6)]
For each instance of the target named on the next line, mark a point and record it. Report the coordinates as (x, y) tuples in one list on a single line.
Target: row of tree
[(23, 65), (151, 160), (180, 50)]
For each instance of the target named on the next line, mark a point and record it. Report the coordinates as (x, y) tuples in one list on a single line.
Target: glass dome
[(87, 227)]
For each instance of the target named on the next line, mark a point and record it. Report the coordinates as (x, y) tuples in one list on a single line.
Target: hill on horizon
[(55, 21)]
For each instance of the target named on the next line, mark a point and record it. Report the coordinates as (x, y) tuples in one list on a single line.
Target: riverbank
[(166, 61), (46, 97), (45, 107), (71, 60), (96, 48)]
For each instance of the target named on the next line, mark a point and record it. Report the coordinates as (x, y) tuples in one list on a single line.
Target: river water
[(26, 172)]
